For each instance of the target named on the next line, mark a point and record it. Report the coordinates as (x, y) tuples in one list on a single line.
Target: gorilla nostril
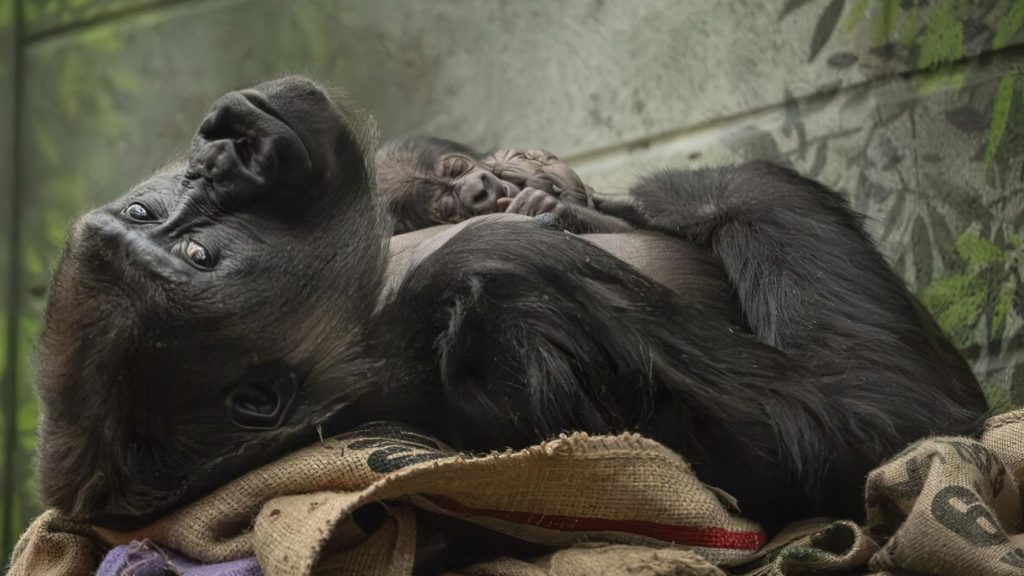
[(243, 150), (260, 102), (219, 124), (238, 115), (481, 197)]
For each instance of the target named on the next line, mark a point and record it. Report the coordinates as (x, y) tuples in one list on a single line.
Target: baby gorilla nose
[(481, 190)]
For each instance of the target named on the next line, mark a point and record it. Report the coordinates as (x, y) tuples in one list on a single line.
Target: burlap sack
[(296, 515), (1004, 436), (615, 505), (944, 506), (591, 559), (949, 505), (53, 546), (818, 546)]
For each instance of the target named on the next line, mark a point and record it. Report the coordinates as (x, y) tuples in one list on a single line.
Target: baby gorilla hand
[(540, 169), (532, 202)]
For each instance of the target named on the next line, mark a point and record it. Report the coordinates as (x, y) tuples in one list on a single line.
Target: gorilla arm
[(541, 332), (575, 218), (548, 185), (677, 264)]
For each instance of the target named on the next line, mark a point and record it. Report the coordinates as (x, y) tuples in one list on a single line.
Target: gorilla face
[(187, 315)]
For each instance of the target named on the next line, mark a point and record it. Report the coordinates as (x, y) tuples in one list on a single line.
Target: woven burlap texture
[(942, 506)]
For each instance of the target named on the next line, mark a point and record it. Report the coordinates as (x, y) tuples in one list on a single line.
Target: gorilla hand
[(534, 202), (576, 219), (540, 169)]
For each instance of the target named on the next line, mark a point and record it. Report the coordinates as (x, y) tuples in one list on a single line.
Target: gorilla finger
[(549, 204), (536, 203), (522, 199), (625, 208), (519, 201)]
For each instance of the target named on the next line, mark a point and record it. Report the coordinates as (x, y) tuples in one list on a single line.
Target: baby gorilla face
[(467, 188), (428, 181)]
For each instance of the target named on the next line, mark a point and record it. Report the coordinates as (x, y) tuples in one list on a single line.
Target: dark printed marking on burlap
[(392, 457), (908, 489), (394, 447), (966, 515), (394, 431), (980, 457), (1014, 558)]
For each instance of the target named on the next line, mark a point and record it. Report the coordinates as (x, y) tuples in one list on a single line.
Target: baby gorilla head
[(427, 181), (186, 316)]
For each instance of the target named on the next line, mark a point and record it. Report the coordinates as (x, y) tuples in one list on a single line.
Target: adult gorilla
[(215, 315)]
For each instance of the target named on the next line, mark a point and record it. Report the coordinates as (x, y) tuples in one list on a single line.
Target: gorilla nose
[(479, 200), (480, 192), (244, 146)]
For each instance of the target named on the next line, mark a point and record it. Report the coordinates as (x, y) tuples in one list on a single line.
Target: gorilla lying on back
[(210, 319), (426, 181)]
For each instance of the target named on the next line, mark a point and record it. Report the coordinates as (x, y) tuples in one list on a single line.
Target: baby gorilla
[(427, 181)]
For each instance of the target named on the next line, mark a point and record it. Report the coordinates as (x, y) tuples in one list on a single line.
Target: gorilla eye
[(199, 255), (139, 212)]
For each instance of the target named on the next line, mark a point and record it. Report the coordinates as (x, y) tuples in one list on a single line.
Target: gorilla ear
[(263, 399)]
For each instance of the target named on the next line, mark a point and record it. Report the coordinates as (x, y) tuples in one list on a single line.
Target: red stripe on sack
[(686, 535)]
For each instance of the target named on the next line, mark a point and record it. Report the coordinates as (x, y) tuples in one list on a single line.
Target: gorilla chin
[(221, 311)]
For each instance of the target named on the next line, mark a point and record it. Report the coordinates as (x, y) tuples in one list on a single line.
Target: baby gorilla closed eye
[(427, 181), (160, 379)]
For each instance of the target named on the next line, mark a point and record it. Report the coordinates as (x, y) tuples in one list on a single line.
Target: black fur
[(159, 380), (847, 370)]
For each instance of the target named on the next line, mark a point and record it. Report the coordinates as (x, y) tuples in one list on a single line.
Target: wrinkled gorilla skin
[(162, 373)]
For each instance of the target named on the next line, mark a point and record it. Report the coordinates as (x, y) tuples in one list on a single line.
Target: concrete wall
[(912, 108)]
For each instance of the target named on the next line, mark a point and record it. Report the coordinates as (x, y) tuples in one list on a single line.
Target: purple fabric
[(144, 558)]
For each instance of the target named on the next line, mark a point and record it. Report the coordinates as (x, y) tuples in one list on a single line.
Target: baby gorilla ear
[(263, 399)]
